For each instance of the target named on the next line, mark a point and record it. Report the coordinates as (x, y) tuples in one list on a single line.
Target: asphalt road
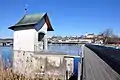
[(94, 68)]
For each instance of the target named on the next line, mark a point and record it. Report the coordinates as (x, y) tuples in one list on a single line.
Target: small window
[(40, 36)]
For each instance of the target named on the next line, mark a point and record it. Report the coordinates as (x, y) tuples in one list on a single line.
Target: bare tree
[(107, 34), (114, 38)]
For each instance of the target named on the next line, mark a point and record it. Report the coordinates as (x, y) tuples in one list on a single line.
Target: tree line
[(110, 37)]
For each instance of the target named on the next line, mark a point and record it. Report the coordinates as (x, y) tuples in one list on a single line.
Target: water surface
[(6, 52)]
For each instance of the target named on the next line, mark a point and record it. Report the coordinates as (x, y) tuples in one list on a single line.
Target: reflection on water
[(6, 52)]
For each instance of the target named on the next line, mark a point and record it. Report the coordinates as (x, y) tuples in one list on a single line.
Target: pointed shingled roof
[(31, 20)]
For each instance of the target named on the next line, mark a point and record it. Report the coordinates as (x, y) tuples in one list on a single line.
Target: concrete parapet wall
[(47, 65)]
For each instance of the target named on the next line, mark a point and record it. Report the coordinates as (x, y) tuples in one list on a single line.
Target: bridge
[(100, 63), (6, 42)]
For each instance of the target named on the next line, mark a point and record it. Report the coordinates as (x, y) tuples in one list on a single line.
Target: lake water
[(6, 52), (66, 48), (6, 55)]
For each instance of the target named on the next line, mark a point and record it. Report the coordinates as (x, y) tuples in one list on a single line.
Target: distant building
[(100, 36), (99, 39), (85, 40), (91, 36), (6, 42)]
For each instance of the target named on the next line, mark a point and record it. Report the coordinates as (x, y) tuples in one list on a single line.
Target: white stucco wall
[(52, 65), (24, 40), (44, 29), (27, 39), (38, 44), (23, 62), (86, 40)]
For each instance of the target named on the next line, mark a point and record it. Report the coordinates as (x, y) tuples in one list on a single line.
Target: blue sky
[(68, 17)]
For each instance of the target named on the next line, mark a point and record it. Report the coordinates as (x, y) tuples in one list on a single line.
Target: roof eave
[(45, 16), (48, 23), (50, 29), (13, 27)]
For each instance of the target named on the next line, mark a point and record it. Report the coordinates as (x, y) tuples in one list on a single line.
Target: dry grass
[(9, 75)]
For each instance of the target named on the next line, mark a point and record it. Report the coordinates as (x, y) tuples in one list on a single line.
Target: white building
[(86, 40), (30, 49), (90, 36), (30, 33)]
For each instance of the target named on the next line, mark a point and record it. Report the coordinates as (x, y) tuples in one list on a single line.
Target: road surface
[(94, 68)]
